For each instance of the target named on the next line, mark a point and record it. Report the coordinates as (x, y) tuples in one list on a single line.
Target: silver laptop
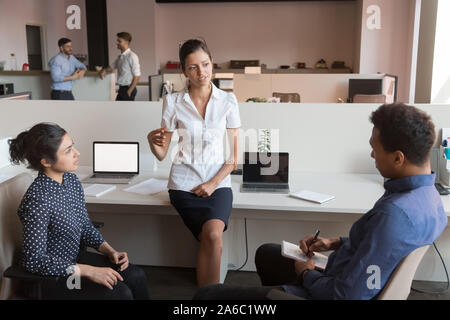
[(114, 162), (265, 172)]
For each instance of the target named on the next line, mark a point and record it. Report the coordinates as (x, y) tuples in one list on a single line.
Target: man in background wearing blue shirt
[(64, 68), (409, 215)]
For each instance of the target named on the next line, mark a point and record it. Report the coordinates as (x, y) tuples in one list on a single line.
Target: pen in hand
[(316, 234)]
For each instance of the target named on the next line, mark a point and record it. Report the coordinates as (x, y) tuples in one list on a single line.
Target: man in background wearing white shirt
[(128, 68)]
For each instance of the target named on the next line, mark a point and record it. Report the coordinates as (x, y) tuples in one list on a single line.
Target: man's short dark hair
[(125, 36), (63, 41), (405, 128)]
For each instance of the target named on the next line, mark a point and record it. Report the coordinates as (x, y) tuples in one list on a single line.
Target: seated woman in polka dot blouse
[(56, 224)]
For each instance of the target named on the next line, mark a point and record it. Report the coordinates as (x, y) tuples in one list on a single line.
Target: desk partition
[(319, 137)]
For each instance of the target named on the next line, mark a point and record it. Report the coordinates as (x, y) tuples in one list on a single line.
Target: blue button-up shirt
[(409, 215), (55, 224), (61, 67)]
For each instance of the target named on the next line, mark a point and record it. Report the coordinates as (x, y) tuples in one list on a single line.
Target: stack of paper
[(147, 187), (97, 190), (312, 196)]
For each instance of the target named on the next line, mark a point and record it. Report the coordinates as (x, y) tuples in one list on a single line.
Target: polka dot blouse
[(55, 223)]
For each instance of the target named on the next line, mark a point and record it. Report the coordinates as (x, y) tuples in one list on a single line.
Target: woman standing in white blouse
[(199, 183)]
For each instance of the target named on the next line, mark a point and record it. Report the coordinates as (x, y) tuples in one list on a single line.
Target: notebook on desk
[(97, 190), (312, 196)]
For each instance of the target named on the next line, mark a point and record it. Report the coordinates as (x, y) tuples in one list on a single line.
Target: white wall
[(440, 89), (78, 36), (275, 33), (425, 58), (389, 49), (50, 15), (138, 18), (433, 69), (14, 15), (4, 152), (357, 43), (415, 11)]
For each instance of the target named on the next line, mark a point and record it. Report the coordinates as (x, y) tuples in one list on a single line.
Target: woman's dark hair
[(40, 142), (405, 128), (191, 46)]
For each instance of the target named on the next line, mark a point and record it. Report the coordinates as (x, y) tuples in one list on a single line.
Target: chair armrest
[(20, 274), (98, 224)]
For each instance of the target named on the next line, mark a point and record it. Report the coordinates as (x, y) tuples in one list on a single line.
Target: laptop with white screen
[(114, 162)]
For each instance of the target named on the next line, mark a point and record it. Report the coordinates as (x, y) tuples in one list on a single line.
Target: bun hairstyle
[(191, 46), (40, 142)]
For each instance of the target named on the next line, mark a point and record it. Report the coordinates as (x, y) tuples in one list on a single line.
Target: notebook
[(97, 190), (292, 251), (147, 187), (312, 196)]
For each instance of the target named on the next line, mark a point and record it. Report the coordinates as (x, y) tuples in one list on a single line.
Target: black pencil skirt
[(195, 211)]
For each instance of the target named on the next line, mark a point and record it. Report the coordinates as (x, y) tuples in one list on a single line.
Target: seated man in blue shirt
[(409, 215), (64, 68)]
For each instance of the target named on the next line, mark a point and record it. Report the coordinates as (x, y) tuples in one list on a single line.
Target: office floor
[(179, 283)]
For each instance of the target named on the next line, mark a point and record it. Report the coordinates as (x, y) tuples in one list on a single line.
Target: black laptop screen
[(266, 167)]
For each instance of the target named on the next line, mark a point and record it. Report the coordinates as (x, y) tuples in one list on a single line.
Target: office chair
[(369, 98), (398, 286), (287, 97), (16, 272), (11, 193)]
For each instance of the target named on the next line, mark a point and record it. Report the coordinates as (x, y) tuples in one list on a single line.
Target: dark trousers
[(273, 269), (122, 95), (62, 95), (134, 286)]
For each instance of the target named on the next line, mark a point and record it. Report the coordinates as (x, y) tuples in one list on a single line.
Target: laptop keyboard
[(271, 186), (112, 176)]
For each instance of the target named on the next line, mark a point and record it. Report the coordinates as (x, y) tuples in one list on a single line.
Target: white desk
[(149, 228), (354, 195)]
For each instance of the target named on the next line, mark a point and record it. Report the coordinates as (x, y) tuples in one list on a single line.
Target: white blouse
[(201, 146)]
